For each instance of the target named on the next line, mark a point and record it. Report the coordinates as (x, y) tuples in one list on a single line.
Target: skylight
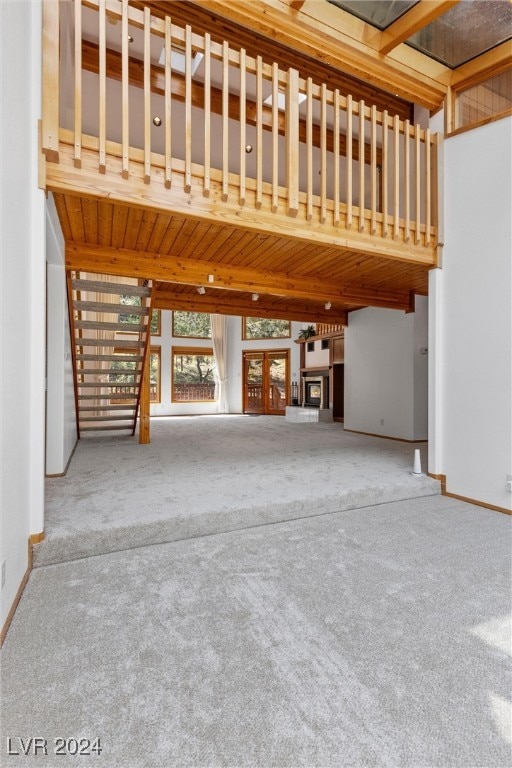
[(379, 13)]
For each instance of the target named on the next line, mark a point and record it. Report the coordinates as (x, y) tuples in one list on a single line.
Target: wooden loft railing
[(324, 163)]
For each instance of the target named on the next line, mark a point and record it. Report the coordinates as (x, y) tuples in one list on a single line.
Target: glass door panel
[(253, 384), (277, 368)]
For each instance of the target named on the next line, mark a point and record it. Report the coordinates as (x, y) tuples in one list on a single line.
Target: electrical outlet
[(3, 573), (509, 483)]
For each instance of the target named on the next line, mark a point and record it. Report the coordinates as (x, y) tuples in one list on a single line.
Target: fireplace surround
[(315, 391)]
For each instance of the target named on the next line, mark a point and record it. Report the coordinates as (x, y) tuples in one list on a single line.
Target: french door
[(266, 382)]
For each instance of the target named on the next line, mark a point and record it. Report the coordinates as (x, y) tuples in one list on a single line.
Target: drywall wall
[(386, 372), (61, 432), (22, 295), (475, 385)]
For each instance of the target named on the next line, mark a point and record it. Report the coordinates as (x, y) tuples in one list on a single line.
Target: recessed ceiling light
[(178, 61), (201, 289), (281, 100), (255, 296), (328, 305)]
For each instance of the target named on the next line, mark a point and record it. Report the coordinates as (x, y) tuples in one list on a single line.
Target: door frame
[(266, 353)]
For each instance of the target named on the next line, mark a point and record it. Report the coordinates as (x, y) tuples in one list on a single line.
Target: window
[(311, 346), (193, 375), (156, 322), (325, 344), (263, 328), (483, 101), (155, 374), (192, 325)]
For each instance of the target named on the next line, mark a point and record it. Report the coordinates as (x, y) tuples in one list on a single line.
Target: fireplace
[(315, 392)]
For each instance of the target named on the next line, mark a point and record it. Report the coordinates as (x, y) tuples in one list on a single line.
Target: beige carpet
[(210, 474), (372, 637)]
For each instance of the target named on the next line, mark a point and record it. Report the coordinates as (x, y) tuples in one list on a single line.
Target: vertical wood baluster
[(225, 117), (417, 157), (323, 153), (125, 135), (385, 173), (259, 132), (349, 162), (168, 104), (336, 140), (102, 88), (147, 95), (275, 137), (292, 140), (188, 108), (373, 190), (361, 166), (309, 148), (207, 114), (396, 177), (407, 183), (243, 136), (428, 187), (78, 84)]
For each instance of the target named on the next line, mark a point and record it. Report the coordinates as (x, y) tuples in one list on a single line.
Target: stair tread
[(98, 429), (108, 408), (128, 358), (100, 286), (110, 308), (118, 343), (100, 326), (106, 418), (112, 396), (131, 384), (109, 371)]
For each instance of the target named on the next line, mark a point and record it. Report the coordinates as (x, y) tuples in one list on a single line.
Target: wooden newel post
[(144, 434), (292, 141), (50, 86)]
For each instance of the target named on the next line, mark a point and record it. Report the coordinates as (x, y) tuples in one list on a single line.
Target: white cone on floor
[(417, 462)]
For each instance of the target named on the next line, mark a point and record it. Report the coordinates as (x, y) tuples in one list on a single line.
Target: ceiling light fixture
[(201, 290), (281, 100), (248, 148), (130, 39), (211, 278), (255, 296), (157, 121), (328, 305)]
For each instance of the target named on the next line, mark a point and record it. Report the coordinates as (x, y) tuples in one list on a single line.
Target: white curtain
[(219, 326)]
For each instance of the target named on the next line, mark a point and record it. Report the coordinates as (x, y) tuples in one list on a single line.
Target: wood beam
[(416, 18), (130, 263), (342, 41), (90, 63), (487, 65), (217, 302)]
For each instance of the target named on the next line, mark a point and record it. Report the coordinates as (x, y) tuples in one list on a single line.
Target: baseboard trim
[(478, 503), (385, 437), (63, 474), (442, 480), (35, 538), (469, 500)]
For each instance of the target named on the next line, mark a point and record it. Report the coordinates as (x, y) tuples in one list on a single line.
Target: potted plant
[(305, 333)]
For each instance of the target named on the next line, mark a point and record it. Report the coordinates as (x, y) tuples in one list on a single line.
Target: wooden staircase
[(108, 352)]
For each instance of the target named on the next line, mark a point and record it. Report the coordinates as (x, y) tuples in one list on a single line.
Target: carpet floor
[(208, 474), (370, 637)]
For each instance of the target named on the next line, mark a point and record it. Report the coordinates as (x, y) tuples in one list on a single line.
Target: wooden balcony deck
[(325, 201)]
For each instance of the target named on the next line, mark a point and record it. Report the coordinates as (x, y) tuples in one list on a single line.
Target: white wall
[(474, 292), (235, 348), (22, 294), (386, 372), (61, 432)]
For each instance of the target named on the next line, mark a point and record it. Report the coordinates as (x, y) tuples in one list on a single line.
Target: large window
[(155, 375), (191, 325), (262, 328), (132, 319), (193, 375)]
